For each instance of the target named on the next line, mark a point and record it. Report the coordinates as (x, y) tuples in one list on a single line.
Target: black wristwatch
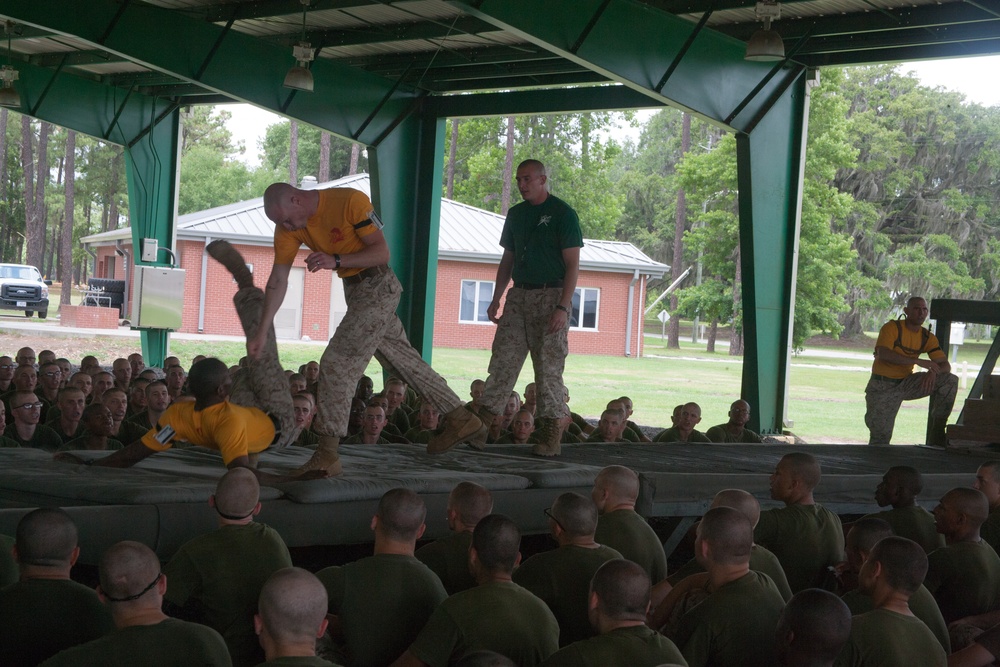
[(562, 308), (336, 258)]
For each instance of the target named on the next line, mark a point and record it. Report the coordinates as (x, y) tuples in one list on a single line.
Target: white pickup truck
[(22, 288)]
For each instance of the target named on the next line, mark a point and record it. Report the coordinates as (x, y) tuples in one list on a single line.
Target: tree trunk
[(713, 333), (508, 168), (66, 243), (736, 339), (324, 157), (680, 221), (585, 121), (4, 217), (110, 221), (35, 232), (355, 154), (28, 166), (293, 154), (452, 150)]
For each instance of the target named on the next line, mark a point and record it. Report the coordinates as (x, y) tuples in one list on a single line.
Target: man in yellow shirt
[(897, 350), (342, 229)]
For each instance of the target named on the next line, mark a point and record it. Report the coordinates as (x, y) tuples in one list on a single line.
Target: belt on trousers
[(371, 272), (876, 376), (530, 286), (277, 427)]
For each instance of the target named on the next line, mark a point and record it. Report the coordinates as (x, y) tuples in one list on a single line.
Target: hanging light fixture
[(9, 97), (766, 44), (299, 77)]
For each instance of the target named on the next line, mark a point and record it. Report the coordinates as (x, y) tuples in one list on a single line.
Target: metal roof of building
[(466, 233)]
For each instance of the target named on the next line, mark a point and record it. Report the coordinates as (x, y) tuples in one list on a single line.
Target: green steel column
[(406, 169), (153, 169), (768, 163)]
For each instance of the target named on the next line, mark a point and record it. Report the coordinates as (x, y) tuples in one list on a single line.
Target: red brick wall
[(88, 317), (612, 314)]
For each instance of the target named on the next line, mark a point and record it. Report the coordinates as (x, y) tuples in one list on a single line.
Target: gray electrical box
[(157, 297)]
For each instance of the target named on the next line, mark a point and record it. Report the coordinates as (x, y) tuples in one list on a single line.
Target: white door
[(288, 320)]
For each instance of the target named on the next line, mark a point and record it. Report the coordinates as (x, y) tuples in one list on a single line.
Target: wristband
[(562, 308), (336, 258)]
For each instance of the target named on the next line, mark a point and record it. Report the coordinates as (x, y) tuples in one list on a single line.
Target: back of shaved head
[(292, 605), (621, 482), (804, 467), (904, 563), (622, 589), (820, 623), (471, 502), (46, 537), (867, 532), (739, 500), (728, 533), (401, 512), (908, 478), (127, 568), (576, 514), (970, 502), (497, 541), (237, 493)]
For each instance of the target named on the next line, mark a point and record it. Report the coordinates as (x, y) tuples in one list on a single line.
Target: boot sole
[(437, 444)]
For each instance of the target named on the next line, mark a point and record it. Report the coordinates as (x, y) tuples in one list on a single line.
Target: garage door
[(288, 320)]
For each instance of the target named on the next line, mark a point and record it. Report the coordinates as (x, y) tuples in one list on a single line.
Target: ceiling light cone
[(765, 45), (299, 78)]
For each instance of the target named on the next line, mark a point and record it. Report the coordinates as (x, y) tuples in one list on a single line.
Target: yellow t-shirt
[(909, 344), (232, 429), (332, 229)]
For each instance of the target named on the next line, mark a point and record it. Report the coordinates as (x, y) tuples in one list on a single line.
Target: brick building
[(607, 308)]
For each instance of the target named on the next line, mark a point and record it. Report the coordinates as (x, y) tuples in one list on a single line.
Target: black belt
[(554, 284), (371, 272), (884, 378), (277, 427)]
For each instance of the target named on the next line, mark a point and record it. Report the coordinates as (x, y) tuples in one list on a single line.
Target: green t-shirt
[(297, 661), (734, 626), (41, 617), (383, 602), (635, 646), (673, 434), (806, 540), (9, 570), (66, 437), (761, 560), (629, 534), (129, 432), (628, 435), (169, 643), (80, 443), (43, 438), (722, 435), (219, 575), (7, 443), (497, 616), (989, 532), (356, 439), (887, 639), (561, 578), (418, 436), (307, 439), (922, 604), (914, 523), (537, 235), (448, 558), (964, 578)]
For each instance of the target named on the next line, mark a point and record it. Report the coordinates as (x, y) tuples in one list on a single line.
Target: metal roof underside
[(467, 233), (435, 47)]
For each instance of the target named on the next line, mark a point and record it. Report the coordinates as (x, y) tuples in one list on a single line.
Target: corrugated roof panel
[(811, 9)]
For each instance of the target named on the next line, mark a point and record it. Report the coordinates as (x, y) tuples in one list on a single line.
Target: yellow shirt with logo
[(909, 344), (331, 229), (232, 429)]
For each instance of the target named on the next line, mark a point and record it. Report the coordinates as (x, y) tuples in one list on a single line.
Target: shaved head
[(866, 533), (206, 377), (471, 502), (803, 467), (401, 513), (622, 589), (237, 493), (127, 569), (729, 535), (970, 502), (739, 500), (292, 605), (904, 563), (497, 541), (908, 478), (576, 514), (620, 482), (46, 537), (815, 624)]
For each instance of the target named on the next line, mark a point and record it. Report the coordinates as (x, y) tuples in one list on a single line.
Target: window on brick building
[(475, 299), (585, 306)]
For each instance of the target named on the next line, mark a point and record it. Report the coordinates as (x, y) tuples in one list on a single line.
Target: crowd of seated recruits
[(790, 585), (50, 404)]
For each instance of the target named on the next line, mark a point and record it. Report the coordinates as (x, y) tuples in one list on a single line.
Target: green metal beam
[(711, 79), (988, 47), (231, 63), (563, 100), (769, 163)]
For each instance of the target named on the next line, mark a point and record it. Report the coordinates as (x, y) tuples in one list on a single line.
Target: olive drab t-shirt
[(806, 539), (885, 638), (537, 235)]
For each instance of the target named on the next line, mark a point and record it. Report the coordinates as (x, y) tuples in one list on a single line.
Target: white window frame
[(479, 288), (581, 295)]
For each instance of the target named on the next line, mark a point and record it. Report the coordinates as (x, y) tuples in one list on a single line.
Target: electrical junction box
[(150, 248), (157, 297)]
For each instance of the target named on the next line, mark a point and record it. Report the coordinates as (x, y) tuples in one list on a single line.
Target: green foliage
[(275, 157)]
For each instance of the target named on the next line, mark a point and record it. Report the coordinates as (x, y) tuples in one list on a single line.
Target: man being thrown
[(345, 234), (735, 430), (897, 351), (541, 239)]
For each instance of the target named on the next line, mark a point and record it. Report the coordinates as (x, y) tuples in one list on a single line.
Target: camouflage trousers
[(371, 328), (261, 383), (884, 396), (522, 331)]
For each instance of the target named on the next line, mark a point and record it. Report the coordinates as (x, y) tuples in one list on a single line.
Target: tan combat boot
[(460, 425), (549, 437), (326, 457), (478, 440), (229, 257)]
